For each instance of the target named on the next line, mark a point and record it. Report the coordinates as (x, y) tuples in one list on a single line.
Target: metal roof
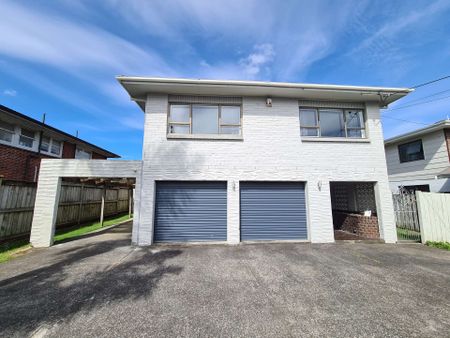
[(419, 132)]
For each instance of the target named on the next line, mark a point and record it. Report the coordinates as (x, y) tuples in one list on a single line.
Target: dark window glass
[(412, 151), (420, 187)]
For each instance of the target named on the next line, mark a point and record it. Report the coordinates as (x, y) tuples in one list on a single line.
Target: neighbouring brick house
[(24, 141)]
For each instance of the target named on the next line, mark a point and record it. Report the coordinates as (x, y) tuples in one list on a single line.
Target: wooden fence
[(434, 216), (78, 203)]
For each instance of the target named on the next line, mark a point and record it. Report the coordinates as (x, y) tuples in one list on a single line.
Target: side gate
[(406, 216)]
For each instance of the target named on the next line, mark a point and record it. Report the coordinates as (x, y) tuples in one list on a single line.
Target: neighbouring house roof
[(65, 136), (444, 173), (139, 87), (419, 132)]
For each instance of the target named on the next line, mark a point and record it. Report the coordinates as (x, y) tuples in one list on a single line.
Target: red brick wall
[(19, 164), (68, 150), (360, 225)]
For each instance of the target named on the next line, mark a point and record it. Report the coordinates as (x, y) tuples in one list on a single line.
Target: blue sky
[(61, 57)]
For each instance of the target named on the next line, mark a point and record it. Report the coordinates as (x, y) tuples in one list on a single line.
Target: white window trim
[(217, 136), (49, 153), (86, 151), (16, 139), (320, 138)]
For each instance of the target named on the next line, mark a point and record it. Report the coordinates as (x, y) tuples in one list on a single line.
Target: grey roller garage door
[(190, 211), (273, 211)]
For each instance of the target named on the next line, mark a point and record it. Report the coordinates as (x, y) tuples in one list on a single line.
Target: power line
[(393, 118), (417, 104), (430, 82), (431, 95), (420, 85)]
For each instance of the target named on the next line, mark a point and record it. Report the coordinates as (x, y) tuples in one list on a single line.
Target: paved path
[(101, 286)]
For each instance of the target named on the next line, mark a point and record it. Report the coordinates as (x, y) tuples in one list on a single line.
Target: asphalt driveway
[(101, 286)]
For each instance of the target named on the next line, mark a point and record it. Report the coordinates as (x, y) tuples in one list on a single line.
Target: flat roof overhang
[(139, 87)]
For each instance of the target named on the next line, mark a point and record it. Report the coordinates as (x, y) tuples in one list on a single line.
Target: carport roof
[(139, 87)]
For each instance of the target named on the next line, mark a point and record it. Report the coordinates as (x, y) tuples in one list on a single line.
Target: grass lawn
[(13, 249), (439, 245), (407, 234), (67, 234)]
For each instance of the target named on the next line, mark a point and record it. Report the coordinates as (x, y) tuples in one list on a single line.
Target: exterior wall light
[(269, 102)]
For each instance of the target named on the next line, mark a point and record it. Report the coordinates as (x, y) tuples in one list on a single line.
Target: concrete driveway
[(101, 286)]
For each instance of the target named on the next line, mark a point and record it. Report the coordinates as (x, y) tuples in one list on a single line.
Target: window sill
[(229, 137), (335, 139)]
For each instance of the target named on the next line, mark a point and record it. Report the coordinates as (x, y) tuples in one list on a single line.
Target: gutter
[(281, 85)]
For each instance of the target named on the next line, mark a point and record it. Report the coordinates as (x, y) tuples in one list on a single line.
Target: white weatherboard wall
[(422, 171), (434, 216), (47, 196), (271, 150)]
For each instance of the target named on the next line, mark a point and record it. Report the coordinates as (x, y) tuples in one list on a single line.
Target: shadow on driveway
[(80, 278)]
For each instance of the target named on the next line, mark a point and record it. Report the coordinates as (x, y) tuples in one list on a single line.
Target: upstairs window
[(411, 151), (26, 138), (55, 149), (45, 144), (204, 119), (51, 146), (6, 132), (328, 122), (82, 154)]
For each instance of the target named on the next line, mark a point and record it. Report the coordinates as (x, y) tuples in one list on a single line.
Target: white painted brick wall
[(272, 150), (47, 196)]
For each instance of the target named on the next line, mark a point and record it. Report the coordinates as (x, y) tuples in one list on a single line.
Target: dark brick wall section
[(19, 164), (360, 225), (68, 150), (96, 156)]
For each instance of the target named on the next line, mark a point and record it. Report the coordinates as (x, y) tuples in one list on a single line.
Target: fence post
[(80, 205), (419, 195), (102, 209), (130, 202)]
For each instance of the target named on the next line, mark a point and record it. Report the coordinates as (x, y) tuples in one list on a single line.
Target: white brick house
[(237, 155)]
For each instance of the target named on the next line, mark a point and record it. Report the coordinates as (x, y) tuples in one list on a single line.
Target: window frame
[(50, 145), (79, 149), (219, 120), (408, 143), (343, 111), (27, 137), (9, 131)]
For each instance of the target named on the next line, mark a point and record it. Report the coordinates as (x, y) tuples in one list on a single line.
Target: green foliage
[(8, 250), (67, 234), (11, 249), (439, 245)]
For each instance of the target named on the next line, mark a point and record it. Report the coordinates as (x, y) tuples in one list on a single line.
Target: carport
[(52, 173)]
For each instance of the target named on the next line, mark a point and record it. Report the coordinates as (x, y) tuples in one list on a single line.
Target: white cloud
[(72, 47), (261, 57), (10, 92), (384, 43)]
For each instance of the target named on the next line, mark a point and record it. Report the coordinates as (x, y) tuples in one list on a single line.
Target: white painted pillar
[(136, 210), (146, 217), (233, 212), (45, 209), (320, 216), (385, 212)]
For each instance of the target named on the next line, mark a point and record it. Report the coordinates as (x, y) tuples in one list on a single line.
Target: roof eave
[(383, 95), (419, 132)]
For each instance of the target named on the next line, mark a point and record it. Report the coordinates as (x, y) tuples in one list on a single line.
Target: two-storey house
[(24, 141), (249, 161), (420, 160)]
